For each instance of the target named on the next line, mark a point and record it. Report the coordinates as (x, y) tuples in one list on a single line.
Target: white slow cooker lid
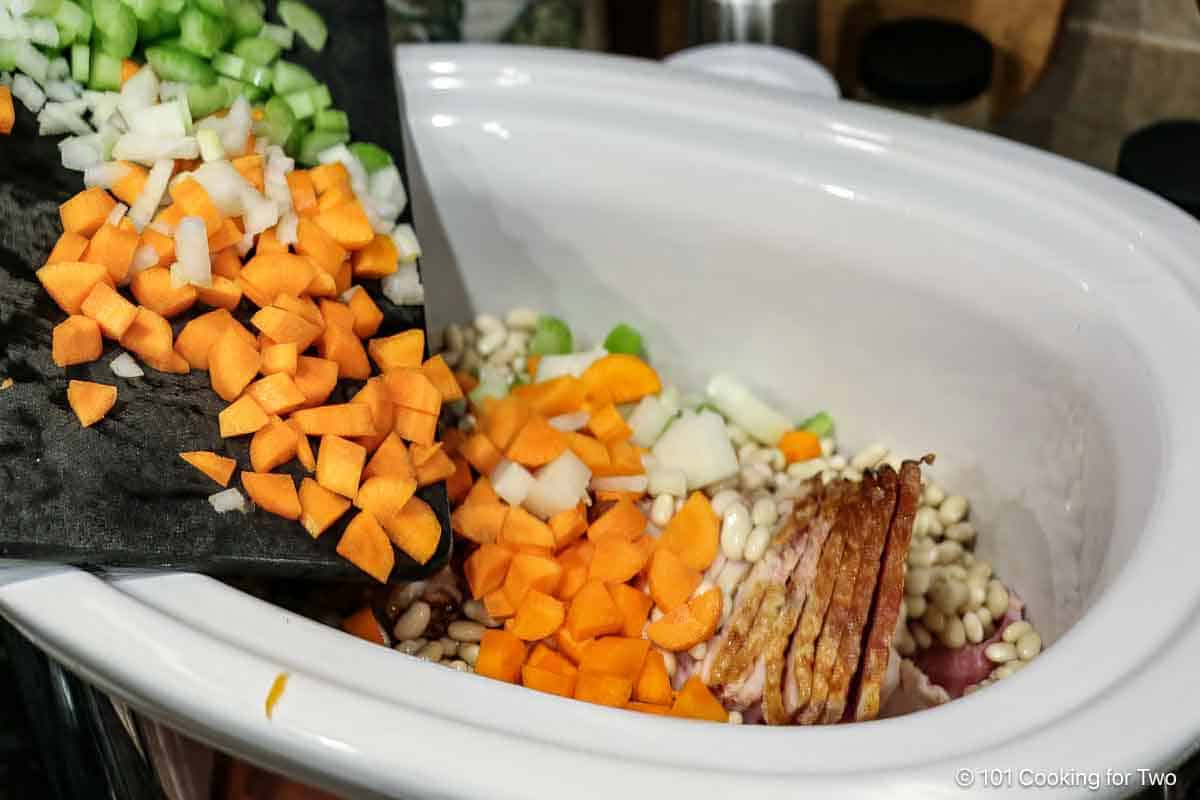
[(1111, 693)]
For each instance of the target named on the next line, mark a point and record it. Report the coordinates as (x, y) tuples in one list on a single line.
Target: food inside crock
[(704, 556)]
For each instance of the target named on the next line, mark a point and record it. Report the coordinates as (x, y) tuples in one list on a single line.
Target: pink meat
[(956, 669)]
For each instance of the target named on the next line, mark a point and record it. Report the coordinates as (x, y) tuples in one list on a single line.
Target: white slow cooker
[(1028, 319)]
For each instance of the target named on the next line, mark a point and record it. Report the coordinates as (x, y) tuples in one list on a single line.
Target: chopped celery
[(304, 21), (41, 8), (372, 156), (317, 142), (291, 77), (296, 138), (143, 9), (235, 87), (117, 27), (229, 65), (279, 119), (331, 119), (172, 6), (284, 37), (551, 336), (205, 100), (74, 24), (202, 33), (625, 339), (257, 50), (246, 16), (8, 55), (160, 25), (307, 102), (819, 424), (217, 8), (175, 64), (257, 76), (105, 74), (81, 63)]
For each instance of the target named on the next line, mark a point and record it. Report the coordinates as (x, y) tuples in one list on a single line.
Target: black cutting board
[(117, 494)]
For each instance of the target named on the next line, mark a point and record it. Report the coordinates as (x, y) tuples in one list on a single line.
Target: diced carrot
[(481, 453), (336, 313), (285, 326), (591, 452), (695, 701), (799, 445), (378, 259), (170, 216), (279, 273), (272, 492), (200, 334), (648, 708), (572, 648), (616, 655), (90, 401), (165, 247), (523, 528), (344, 419), (466, 381), (405, 349), (384, 496), (8, 115), (241, 417), (498, 605), (341, 346), (316, 378), (634, 606), (323, 285), (366, 315), (486, 568), (417, 530), (319, 507), (130, 185), (616, 560), (70, 282), (325, 176), (224, 293), (560, 395), (348, 224), (304, 194), (543, 657), (219, 468), (537, 443), (482, 492), (543, 680), (501, 655), (391, 459), (607, 425), (277, 394), (693, 533), (480, 521), (437, 372), (375, 396), (335, 196), (620, 378), (225, 263), (279, 359), (567, 526), (436, 469), (273, 445), (86, 212), (232, 364), (362, 623), (538, 616), (623, 459), (149, 336), (528, 571), (654, 684), (129, 68), (458, 485), (252, 168), (304, 307), (314, 242), (343, 277), (689, 624), (304, 453), (575, 561), (604, 690), (593, 613), (414, 426), (411, 389), (172, 362), (228, 235), (623, 521), (671, 581), (340, 464), (366, 546), (193, 201), (69, 247), (152, 288), (76, 340), (268, 243)]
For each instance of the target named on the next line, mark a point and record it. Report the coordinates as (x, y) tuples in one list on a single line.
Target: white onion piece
[(191, 251), (407, 246), (160, 121), (80, 152), (169, 90), (124, 366), (560, 485), (620, 483), (106, 174), (60, 70), (64, 92), (139, 92), (555, 366), (145, 257), (228, 500), (287, 231), (341, 154), (30, 61), (210, 145), (224, 185), (736, 401), (569, 422), (666, 480), (512, 482), (152, 194), (233, 128), (59, 118), (116, 215), (699, 445), (148, 149), (346, 296), (260, 213), (403, 287), (648, 420), (245, 244), (28, 92)]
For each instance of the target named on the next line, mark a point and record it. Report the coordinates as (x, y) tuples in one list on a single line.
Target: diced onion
[(117, 214), (403, 287), (555, 366), (64, 92), (141, 91), (160, 121), (569, 422), (287, 229), (191, 251), (105, 174), (148, 149), (751, 414), (648, 420), (152, 194), (699, 445), (28, 92), (245, 244), (210, 145), (228, 500), (620, 483), (666, 480), (124, 366), (512, 482), (260, 213), (407, 246), (145, 257), (341, 154), (59, 118), (32, 62), (560, 485), (80, 152), (224, 184)]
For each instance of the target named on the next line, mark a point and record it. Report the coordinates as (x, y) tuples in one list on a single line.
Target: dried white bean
[(803, 470), (778, 460), (522, 318), (722, 500), (411, 646), (662, 510), (469, 653), (669, 661), (785, 507), (926, 523), (459, 665), (1002, 672), (947, 552), (486, 323), (837, 462), (735, 529), (656, 614), (852, 475), (1029, 645), (921, 635), (736, 435), (934, 619), (933, 495), (976, 596), (828, 447), (403, 596), (984, 615), (972, 627), (491, 341), (746, 451), (961, 532), (920, 557), (735, 718), (904, 642), (756, 544), (954, 634), (412, 623), (997, 599), (949, 596), (869, 457), (981, 568), (764, 512), (1000, 652), (431, 652), (464, 631), (1016, 630), (953, 509), (918, 580), (752, 477), (915, 606), (699, 651), (954, 572)]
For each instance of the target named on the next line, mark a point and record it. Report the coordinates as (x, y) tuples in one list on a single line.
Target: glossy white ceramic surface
[(1027, 319)]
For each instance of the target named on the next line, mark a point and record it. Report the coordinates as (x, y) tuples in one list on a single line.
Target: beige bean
[(477, 611), (735, 718), (412, 623), (1016, 630), (961, 532), (869, 457), (460, 665), (926, 523), (699, 651), (934, 619), (431, 652), (1000, 652), (917, 581), (915, 606), (1001, 672), (953, 509), (449, 647), (669, 662), (1029, 645), (956, 571), (976, 596), (947, 552), (411, 646), (905, 645), (981, 568), (953, 635), (921, 635), (972, 627), (920, 557), (464, 631), (950, 596), (403, 596), (933, 495), (469, 653), (997, 599)]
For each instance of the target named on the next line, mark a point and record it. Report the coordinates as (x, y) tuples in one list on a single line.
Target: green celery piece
[(205, 100), (202, 33), (8, 55), (43, 8), (257, 76), (551, 336), (236, 87), (81, 63), (317, 142), (819, 424), (74, 24), (305, 22), (228, 64), (117, 27), (161, 25), (331, 119), (291, 77), (257, 50), (372, 156), (284, 37), (296, 137), (246, 16), (177, 64), (105, 72), (172, 6), (625, 339), (279, 119), (217, 8), (142, 9)]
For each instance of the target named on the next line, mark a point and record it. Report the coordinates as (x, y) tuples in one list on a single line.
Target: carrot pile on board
[(373, 453)]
